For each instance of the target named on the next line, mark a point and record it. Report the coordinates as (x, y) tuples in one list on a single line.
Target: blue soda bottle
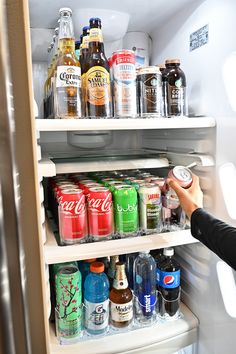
[(145, 288), (96, 300)]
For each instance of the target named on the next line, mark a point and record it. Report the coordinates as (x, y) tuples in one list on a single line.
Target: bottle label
[(147, 303), (170, 280), (98, 90), (68, 76), (121, 312), (120, 284), (176, 98), (96, 314), (95, 35)]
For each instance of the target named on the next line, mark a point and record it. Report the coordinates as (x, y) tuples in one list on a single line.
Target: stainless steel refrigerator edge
[(22, 301)]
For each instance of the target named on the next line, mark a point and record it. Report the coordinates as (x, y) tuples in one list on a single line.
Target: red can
[(85, 181), (73, 226), (100, 213), (88, 186)]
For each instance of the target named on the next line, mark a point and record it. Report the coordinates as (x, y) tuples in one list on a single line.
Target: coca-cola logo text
[(100, 204), (73, 206)]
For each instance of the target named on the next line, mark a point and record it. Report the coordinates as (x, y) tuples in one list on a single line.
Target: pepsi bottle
[(145, 289), (169, 284)]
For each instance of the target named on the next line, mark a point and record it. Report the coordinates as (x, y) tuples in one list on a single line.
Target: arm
[(216, 235), (213, 233)]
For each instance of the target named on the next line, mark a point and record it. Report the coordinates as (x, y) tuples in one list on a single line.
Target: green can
[(68, 304), (126, 210), (114, 184)]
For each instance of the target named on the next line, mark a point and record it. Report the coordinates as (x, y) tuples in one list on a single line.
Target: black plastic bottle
[(169, 285)]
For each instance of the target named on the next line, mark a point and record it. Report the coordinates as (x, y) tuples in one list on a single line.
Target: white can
[(124, 83)]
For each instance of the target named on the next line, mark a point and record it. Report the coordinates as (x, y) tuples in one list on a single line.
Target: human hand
[(191, 198)]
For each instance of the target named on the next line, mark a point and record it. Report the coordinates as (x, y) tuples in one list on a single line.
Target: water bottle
[(96, 300), (145, 289), (169, 285)]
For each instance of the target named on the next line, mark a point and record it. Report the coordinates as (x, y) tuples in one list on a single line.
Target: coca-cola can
[(88, 186), (100, 213), (73, 227)]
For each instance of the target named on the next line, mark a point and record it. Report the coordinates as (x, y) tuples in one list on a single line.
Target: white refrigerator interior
[(165, 30)]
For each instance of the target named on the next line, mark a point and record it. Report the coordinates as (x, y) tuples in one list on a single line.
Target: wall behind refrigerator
[(211, 79)]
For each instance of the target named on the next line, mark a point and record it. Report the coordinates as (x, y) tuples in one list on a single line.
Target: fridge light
[(227, 287), (227, 175)]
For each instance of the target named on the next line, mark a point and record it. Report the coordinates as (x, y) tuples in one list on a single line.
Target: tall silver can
[(124, 83)]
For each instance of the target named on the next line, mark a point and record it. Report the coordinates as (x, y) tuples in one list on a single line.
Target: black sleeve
[(216, 235)]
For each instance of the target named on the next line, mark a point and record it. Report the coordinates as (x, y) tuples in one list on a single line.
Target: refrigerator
[(201, 34)]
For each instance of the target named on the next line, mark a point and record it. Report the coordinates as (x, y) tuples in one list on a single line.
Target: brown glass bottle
[(112, 269), (175, 82), (97, 81), (121, 299)]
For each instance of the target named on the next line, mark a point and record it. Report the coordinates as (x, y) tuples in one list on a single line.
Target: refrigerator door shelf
[(165, 338), (59, 254), (186, 159), (47, 125)]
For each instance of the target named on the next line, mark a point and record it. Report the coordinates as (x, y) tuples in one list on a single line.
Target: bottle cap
[(146, 251), (168, 252), (85, 28), (65, 9), (161, 66), (91, 260), (97, 267), (172, 61)]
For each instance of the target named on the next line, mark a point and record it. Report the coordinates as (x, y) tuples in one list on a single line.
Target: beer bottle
[(83, 58), (67, 75), (98, 87), (112, 269), (175, 82), (46, 83), (84, 48), (77, 49), (121, 299)]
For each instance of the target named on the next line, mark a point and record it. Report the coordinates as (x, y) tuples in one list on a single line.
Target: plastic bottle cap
[(91, 260), (168, 252), (146, 252), (97, 267)]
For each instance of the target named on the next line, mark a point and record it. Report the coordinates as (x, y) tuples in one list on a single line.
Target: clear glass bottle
[(67, 75)]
